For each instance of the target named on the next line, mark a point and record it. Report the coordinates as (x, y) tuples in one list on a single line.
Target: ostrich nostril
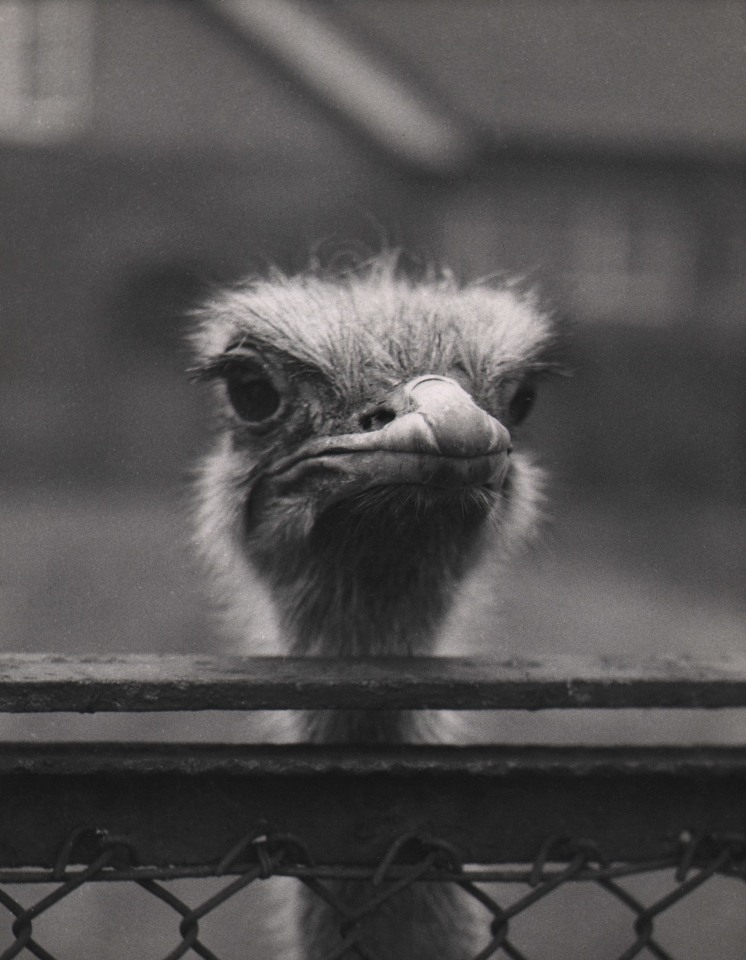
[(377, 418)]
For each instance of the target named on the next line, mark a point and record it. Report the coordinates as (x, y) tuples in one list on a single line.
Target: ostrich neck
[(375, 585), (381, 590), (357, 607), (365, 614)]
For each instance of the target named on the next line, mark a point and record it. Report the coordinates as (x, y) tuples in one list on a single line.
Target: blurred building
[(151, 147)]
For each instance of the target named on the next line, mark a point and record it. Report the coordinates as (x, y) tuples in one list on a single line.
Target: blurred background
[(593, 148)]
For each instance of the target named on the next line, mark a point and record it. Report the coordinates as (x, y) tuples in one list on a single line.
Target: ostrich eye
[(521, 402), (254, 397)]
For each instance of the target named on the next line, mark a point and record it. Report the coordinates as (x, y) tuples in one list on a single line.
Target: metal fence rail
[(91, 684), (510, 826)]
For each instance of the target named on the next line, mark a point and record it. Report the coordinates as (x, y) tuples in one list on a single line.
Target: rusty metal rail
[(185, 805), (182, 804), (89, 684)]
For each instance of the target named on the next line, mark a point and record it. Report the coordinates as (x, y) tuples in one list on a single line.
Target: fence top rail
[(45, 683)]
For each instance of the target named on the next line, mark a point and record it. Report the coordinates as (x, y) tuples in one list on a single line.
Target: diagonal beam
[(357, 80)]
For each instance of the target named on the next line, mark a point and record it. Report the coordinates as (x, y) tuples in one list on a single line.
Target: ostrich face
[(366, 422)]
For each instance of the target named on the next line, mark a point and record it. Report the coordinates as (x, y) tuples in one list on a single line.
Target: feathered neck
[(376, 583)]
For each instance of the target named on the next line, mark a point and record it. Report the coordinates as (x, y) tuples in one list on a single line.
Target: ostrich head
[(365, 454)]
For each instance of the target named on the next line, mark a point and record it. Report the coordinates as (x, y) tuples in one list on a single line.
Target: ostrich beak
[(427, 431), (434, 415)]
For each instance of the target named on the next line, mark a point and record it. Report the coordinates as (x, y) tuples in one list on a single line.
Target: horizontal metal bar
[(189, 804), (31, 683)]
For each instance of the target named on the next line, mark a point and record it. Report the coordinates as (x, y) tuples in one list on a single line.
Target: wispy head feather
[(374, 318)]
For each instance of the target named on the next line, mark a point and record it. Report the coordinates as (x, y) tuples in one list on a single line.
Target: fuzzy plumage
[(362, 467), (369, 329)]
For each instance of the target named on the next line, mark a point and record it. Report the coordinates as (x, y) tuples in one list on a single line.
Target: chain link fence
[(637, 843), (410, 859)]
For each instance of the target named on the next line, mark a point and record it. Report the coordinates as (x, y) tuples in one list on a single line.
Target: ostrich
[(363, 465)]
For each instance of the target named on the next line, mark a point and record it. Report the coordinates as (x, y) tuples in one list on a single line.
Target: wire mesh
[(410, 860)]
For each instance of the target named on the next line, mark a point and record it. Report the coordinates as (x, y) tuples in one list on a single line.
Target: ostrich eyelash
[(219, 367)]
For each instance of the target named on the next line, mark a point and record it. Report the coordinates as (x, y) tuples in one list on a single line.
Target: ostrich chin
[(376, 508)]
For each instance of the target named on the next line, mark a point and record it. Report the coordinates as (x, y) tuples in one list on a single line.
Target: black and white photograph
[(372, 479)]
